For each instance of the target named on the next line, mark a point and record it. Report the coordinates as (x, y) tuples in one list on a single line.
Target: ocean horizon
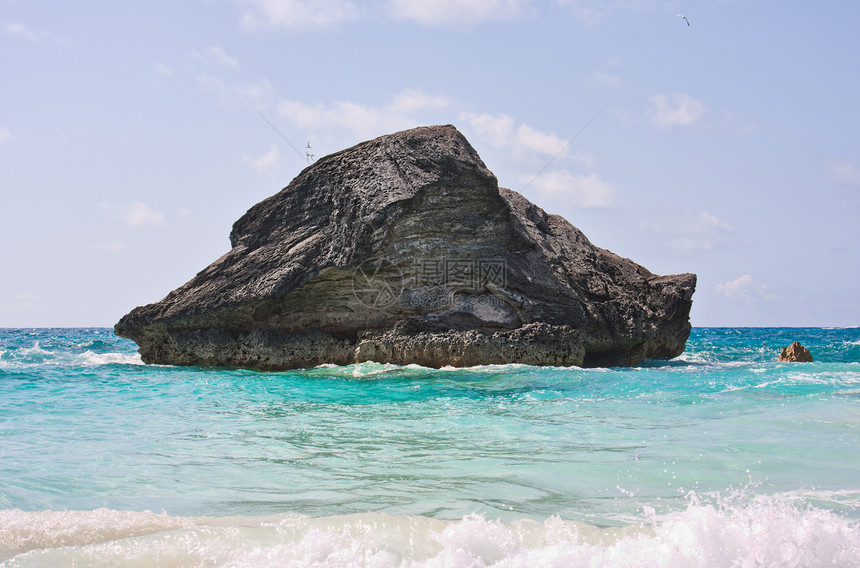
[(719, 457)]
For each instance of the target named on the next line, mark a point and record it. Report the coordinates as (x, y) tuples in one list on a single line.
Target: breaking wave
[(741, 530)]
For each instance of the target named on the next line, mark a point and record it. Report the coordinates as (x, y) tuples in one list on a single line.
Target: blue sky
[(130, 138)]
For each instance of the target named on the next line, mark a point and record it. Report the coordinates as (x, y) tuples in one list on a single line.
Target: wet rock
[(795, 353)]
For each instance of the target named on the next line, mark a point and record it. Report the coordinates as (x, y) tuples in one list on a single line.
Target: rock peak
[(795, 353), (405, 249)]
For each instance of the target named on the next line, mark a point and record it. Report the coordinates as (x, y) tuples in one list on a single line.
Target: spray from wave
[(36, 356)]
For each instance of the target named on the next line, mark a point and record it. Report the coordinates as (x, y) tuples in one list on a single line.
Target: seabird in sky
[(682, 16)]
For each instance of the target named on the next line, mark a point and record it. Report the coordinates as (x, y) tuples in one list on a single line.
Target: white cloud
[(704, 233), (456, 13), (142, 215), (523, 148), (413, 107), (501, 132), (745, 290), (268, 162), (739, 288), (841, 170), (215, 55), (297, 14), (583, 191), (35, 35), (593, 11), (413, 100), (5, 135), (588, 11), (677, 109), (363, 121), (163, 70)]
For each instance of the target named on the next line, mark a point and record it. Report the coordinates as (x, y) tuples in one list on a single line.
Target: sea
[(722, 457)]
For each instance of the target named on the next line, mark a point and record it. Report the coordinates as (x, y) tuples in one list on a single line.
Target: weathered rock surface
[(404, 249), (795, 353)]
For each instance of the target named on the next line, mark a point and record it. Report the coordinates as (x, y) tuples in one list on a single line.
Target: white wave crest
[(752, 531), (91, 359)]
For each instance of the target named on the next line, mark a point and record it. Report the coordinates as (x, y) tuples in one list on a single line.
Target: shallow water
[(720, 455)]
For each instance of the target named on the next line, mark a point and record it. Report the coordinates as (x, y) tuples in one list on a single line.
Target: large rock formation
[(404, 249)]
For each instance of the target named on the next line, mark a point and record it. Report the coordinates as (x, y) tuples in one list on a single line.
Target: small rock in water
[(795, 353)]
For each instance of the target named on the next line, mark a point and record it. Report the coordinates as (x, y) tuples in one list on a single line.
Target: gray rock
[(404, 249)]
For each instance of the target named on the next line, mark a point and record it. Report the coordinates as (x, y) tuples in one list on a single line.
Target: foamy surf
[(744, 530), (36, 356)]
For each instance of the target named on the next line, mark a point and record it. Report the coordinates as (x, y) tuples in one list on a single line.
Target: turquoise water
[(720, 456)]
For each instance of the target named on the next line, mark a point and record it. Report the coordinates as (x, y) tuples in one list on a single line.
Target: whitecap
[(91, 359)]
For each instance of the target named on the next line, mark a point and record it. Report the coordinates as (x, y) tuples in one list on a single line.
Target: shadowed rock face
[(404, 249)]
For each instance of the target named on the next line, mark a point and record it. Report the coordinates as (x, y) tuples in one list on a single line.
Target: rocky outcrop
[(795, 353), (404, 249)]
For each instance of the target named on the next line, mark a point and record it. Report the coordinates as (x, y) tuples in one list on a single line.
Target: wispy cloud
[(456, 13), (163, 70), (215, 55), (35, 36), (588, 11), (593, 11), (142, 215), (739, 288), (580, 191), (841, 170), (705, 232), (744, 289), (501, 131), (266, 163), (364, 121), (5, 136), (688, 232), (523, 148), (304, 15), (533, 150), (297, 15), (676, 109)]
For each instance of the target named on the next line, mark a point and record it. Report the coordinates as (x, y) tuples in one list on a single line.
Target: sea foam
[(36, 356), (743, 530)]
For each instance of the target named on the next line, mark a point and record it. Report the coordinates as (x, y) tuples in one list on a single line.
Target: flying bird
[(683, 17)]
